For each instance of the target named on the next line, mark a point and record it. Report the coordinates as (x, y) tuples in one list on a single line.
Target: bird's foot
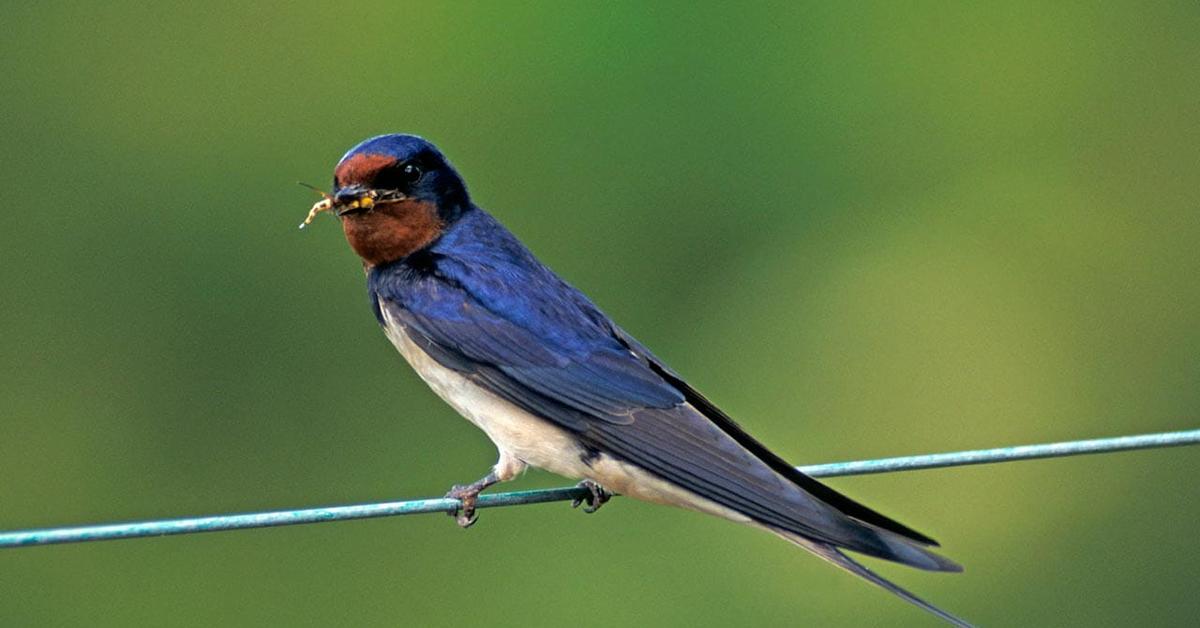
[(596, 498), (465, 513), (468, 494)]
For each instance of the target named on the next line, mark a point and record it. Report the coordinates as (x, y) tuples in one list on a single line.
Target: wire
[(163, 527)]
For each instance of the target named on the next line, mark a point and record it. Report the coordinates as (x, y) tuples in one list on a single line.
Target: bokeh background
[(864, 230)]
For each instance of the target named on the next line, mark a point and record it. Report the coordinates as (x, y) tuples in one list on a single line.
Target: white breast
[(516, 433)]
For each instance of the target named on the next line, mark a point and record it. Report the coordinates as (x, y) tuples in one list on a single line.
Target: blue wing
[(547, 349)]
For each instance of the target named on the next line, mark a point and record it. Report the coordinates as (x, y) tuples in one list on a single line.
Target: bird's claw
[(464, 515), (468, 494), (596, 498)]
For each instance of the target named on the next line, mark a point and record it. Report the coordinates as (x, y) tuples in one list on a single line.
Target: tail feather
[(833, 555), (901, 550)]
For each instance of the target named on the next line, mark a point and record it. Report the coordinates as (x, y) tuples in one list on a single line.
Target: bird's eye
[(411, 173)]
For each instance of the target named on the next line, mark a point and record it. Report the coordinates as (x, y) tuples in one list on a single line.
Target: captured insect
[(339, 206)]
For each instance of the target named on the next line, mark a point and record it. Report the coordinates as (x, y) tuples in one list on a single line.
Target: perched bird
[(558, 385)]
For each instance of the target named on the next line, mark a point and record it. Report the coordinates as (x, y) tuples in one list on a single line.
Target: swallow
[(556, 384)]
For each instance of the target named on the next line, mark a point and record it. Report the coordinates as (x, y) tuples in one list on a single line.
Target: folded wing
[(563, 361)]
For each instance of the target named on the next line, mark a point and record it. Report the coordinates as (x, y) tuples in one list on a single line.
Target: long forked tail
[(835, 556)]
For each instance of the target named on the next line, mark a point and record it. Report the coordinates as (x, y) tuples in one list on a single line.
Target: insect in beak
[(325, 204), (343, 204)]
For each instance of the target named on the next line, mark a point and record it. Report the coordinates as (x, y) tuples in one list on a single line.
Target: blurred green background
[(864, 230)]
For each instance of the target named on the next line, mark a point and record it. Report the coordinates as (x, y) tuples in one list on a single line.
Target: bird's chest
[(516, 432)]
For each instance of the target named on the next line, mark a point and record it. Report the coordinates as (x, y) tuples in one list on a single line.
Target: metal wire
[(102, 532)]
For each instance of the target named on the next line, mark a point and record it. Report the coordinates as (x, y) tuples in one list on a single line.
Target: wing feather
[(616, 402), (549, 351)]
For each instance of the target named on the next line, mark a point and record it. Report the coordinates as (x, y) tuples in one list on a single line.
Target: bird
[(556, 384)]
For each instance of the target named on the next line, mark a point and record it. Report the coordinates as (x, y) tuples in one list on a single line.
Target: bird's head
[(394, 195)]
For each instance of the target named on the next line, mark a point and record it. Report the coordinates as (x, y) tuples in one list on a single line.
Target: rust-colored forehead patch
[(361, 168)]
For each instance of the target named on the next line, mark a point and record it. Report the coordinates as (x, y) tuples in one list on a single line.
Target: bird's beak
[(350, 199), (341, 202), (345, 196)]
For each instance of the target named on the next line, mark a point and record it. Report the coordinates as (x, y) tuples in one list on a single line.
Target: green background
[(863, 230)]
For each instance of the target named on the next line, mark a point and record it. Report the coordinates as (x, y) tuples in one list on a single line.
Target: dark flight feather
[(835, 556)]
